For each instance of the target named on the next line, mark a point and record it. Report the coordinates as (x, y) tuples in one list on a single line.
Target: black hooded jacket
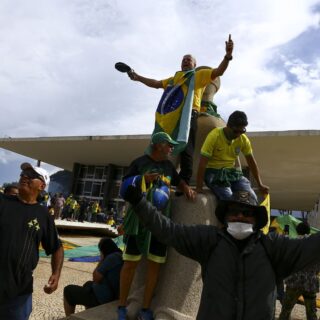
[(237, 284)]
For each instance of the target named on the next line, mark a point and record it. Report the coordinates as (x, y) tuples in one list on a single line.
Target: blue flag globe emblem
[(161, 197), (171, 100)]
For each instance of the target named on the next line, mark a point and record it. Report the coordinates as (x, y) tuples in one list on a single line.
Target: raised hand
[(132, 75), (229, 47)]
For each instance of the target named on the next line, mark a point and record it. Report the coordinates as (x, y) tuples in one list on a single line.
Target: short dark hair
[(237, 119), (303, 228), (107, 246), (9, 187)]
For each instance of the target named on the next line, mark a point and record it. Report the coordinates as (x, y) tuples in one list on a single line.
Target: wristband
[(228, 58)]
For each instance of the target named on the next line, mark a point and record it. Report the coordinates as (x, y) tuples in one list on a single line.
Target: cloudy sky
[(57, 73)]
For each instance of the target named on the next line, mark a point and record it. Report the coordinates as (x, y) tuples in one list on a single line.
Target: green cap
[(162, 137)]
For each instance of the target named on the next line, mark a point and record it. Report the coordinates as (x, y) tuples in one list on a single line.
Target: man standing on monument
[(155, 173), (180, 104), (24, 224)]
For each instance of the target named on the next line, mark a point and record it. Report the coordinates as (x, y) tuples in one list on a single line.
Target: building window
[(91, 182), (79, 188), (90, 173), (96, 189), (88, 186), (98, 174), (83, 172)]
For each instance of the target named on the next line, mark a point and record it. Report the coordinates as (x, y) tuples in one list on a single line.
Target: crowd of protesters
[(240, 265), (77, 209)]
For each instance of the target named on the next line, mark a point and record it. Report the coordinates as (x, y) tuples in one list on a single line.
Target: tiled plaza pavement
[(50, 307)]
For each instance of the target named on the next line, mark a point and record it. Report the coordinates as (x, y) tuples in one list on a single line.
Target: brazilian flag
[(266, 204), (173, 114), (131, 223)]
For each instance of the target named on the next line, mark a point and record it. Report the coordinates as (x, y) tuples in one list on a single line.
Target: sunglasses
[(246, 213), (171, 146), (237, 131), (31, 175)]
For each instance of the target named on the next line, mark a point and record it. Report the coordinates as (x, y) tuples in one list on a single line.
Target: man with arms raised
[(180, 104), (24, 224), (240, 265)]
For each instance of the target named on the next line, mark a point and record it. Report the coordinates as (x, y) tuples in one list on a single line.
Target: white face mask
[(240, 230)]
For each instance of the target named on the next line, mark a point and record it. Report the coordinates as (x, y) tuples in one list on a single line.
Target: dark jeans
[(290, 299), (18, 308), (81, 295), (225, 193), (186, 156)]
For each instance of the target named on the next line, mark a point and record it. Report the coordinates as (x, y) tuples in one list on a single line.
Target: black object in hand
[(133, 194), (122, 67)]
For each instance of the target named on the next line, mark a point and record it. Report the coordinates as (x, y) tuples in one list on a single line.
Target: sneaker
[(122, 313), (145, 314)]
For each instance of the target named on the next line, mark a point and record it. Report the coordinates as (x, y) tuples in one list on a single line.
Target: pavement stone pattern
[(50, 307)]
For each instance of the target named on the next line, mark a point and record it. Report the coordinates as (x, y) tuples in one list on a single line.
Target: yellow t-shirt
[(221, 152), (201, 79)]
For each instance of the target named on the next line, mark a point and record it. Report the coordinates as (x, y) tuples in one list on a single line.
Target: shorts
[(18, 308), (77, 295), (157, 251)]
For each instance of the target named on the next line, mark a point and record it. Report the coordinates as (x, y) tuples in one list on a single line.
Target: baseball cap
[(40, 171), (160, 137)]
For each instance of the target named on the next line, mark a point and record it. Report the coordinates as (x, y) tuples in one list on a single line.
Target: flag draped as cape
[(173, 114)]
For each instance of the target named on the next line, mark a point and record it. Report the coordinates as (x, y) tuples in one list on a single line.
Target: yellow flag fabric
[(173, 114), (170, 106), (266, 203)]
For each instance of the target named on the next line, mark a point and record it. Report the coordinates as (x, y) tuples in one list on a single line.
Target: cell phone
[(286, 229)]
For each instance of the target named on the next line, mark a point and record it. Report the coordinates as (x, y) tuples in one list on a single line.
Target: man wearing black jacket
[(239, 264)]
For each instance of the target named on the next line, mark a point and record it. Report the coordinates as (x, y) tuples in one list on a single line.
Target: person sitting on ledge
[(105, 285), (218, 156), (240, 266)]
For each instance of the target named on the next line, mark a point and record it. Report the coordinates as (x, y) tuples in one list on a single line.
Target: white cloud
[(57, 73)]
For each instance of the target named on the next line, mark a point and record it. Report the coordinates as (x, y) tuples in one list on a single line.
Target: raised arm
[(292, 255), (225, 62), (193, 241), (152, 83), (255, 171)]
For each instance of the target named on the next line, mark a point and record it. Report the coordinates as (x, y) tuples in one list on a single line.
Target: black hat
[(245, 199)]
